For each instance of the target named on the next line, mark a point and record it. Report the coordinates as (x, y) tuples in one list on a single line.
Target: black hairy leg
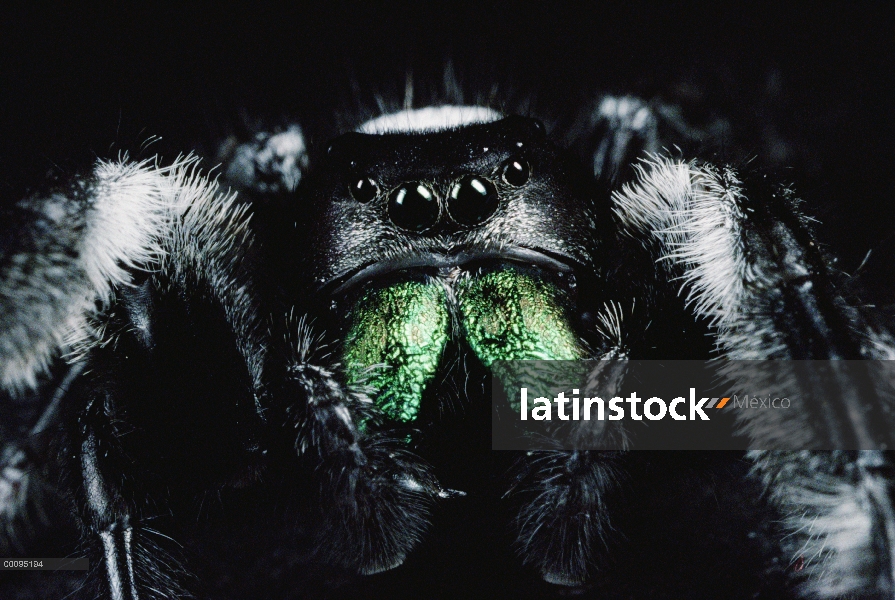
[(751, 266), (375, 496), (132, 566), (564, 525)]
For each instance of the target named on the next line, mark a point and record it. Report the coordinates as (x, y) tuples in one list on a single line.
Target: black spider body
[(223, 392)]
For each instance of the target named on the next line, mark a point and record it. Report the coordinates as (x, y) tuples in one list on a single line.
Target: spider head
[(458, 224), (387, 200)]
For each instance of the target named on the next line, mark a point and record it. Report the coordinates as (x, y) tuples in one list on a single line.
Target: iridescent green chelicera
[(404, 327), (504, 315), (509, 315)]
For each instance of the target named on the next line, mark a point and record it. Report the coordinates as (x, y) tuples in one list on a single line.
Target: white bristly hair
[(693, 213), (433, 118), (77, 248)]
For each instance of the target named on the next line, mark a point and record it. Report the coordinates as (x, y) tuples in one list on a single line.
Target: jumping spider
[(310, 353)]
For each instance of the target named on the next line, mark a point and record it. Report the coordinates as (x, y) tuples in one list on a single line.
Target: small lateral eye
[(364, 189), (516, 172)]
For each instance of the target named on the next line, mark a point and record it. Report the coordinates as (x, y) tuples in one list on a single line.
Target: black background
[(806, 91)]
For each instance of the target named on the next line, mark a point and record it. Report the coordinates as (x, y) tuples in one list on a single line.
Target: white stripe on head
[(432, 118)]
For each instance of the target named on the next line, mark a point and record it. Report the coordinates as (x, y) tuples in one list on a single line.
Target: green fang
[(508, 315), (404, 327)]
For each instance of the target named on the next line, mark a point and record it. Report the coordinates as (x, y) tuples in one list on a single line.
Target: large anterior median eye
[(413, 207), (472, 200)]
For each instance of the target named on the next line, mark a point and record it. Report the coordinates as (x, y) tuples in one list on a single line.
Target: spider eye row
[(472, 199)]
